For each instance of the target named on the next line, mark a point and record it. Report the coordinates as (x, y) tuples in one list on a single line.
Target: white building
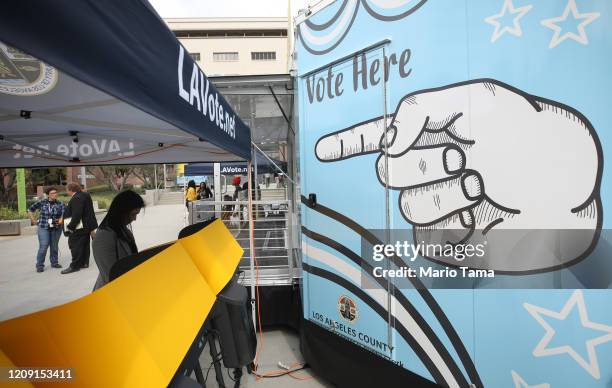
[(235, 46)]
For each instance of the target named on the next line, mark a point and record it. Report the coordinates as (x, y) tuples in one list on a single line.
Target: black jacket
[(206, 193), (80, 209)]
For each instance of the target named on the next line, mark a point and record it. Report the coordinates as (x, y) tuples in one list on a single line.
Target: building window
[(225, 57), (195, 56), (263, 56)]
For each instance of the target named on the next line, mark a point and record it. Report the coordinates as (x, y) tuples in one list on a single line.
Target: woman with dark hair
[(191, 193), (204, 192), (114, 239)]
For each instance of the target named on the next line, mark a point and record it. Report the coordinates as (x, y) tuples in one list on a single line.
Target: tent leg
[(84, 177), (155, 175), (252, 243)]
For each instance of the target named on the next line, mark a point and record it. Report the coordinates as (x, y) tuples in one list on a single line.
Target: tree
[(33, 177), (7, 185), (45, 176), (114, 176), (146, 173)]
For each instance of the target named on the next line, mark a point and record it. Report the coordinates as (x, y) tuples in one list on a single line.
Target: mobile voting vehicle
[(454, 195)]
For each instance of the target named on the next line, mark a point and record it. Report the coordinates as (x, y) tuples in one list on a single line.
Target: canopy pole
[(252, 244), (184, 194), (272, 161), (83, 177), (282, 110), (255, 168), (156, 193), (155, 176)]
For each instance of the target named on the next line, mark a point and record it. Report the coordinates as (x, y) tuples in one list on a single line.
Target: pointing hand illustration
[(483, 162)]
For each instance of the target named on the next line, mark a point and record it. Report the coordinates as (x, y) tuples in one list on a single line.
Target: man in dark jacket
[(81, 227)]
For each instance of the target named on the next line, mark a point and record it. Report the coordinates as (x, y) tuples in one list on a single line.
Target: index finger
[(361, 139)]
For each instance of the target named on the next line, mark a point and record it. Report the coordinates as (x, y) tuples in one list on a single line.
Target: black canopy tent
[(93, 83), (106, 82)]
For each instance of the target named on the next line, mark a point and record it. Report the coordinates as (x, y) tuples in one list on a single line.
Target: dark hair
[(191, 184), (50, 189), (202, 183), (74, 187), (118, 213)]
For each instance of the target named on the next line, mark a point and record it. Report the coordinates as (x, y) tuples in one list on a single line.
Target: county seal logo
[(347, 309), (23, 75)]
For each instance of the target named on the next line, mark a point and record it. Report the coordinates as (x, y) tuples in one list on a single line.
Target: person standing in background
[(190, 194), (49, 228), (204, 192), (81, 227), (236, 183)]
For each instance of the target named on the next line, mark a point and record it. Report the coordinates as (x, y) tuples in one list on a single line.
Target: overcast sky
[(227, 8)]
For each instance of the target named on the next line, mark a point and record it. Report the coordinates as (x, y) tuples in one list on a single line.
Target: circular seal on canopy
[(23, 75)]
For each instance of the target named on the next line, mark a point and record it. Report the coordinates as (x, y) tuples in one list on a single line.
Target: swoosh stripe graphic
[(390, 18), (406, 307), (325, 51), (413, 333), (321, 27), (372, 303), (435, 308), (338, 30)]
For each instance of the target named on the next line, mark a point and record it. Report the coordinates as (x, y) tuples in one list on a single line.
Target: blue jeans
[(47, 238)]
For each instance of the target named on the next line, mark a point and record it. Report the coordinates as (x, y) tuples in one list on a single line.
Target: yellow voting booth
[(135, 331)]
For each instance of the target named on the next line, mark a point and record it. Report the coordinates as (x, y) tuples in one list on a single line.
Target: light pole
[(155, 176), (84, 177)]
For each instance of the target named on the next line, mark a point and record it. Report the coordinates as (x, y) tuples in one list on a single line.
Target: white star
[(582, 37), (520, 383), (577, 299), (516, 28)]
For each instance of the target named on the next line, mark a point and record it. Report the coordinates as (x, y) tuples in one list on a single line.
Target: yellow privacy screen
[(135, 331), (217, 246)]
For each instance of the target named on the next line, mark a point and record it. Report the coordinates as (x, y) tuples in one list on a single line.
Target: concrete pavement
[(23, 290), (279, 345)]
